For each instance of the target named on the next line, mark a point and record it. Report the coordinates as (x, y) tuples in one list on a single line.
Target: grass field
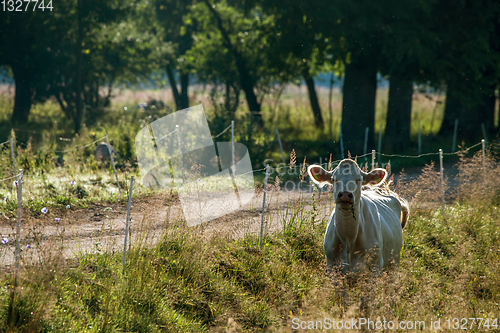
[(195, 281)]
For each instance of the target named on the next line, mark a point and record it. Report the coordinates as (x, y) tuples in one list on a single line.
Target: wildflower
[(125, 108), (68, 206), (14, 183), (5, 240), (199, 179), (28, 246), (73, 183), (57, 219), (44, 210)]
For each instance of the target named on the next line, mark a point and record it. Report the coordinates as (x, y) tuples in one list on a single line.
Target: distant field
[(291, 109)]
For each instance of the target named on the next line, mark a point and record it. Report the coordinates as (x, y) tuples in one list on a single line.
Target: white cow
[(365, 228)]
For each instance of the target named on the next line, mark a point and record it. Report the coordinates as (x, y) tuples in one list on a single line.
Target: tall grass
[(194, 281)]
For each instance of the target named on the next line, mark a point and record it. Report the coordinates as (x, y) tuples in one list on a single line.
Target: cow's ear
[(319, 175), (374, 177)]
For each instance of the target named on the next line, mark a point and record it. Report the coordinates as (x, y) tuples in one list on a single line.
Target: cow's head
[(347, 179)]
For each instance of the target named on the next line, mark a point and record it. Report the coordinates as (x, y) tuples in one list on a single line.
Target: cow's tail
[(405, 212)]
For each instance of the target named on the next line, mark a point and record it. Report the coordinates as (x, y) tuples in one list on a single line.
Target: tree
[(299, 46), (240, 37), (27, 54), (178, 30), (72, 61), (359, 32), (469, 66), (407, 55)]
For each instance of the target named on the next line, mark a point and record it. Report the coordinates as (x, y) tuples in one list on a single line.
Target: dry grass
[(211, 278)]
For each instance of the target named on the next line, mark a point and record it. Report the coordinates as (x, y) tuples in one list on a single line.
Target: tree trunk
[(398, 124), (181, 97), (24, 95), (471, 111), (173, 85), (245, 79), (313, 98), (184, 90), (452, 111), (490, 103), (358, 105), (79, 103)]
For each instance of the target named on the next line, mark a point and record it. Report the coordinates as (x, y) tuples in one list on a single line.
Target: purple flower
[(68, 206), (5, 240), (14, 183), (73, 183), (44, 210), (199, 179), (28, 246), (57, 219)]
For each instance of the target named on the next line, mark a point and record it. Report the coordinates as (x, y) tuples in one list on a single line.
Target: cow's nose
[(346, 197)]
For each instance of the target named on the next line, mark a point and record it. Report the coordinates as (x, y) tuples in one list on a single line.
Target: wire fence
[(334, 162), (80, 147), (224, 131), (13, 177)]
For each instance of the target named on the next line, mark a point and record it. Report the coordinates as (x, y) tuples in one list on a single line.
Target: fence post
[(113, 162), (455, 132), (484, 160), (442, 180), (419, 139), (13, 156), (373, 159), (19, 211), (281, 148), (341, 139), (483, 128), (233, 167), (380, 140), (365, 147), (180, 151), (264, 204), (127, 223)]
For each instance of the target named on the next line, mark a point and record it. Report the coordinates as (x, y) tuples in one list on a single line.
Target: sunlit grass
[(191, 281)]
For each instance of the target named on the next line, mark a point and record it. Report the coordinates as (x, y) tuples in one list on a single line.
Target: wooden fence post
[(113, 162), (127, 223), (264, 204), (19, 212), (442, 180)]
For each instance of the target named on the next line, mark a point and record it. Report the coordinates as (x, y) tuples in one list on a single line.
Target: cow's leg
[(333, 248), (335, 260)]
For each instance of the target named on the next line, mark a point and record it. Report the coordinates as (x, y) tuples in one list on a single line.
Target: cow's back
[(388, 212)]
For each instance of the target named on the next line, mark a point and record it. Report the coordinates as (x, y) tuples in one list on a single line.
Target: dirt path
[(101, 227)]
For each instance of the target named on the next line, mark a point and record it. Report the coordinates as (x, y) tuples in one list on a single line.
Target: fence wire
[(224, 131), (13, 177), (82, 147)]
